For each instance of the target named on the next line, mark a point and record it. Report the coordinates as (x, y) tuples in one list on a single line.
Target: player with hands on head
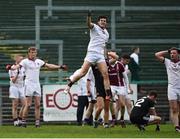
[(173, 72)]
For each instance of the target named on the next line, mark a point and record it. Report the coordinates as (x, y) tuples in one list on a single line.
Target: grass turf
[(72, 131)]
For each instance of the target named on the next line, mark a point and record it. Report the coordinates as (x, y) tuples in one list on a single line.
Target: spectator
[(134, 64)]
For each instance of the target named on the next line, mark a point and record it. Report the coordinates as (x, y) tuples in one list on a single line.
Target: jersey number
[(138, 103)]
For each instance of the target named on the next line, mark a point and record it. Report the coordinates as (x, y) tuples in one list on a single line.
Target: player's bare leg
[(113, 112), (99, 108), (15, 102), (128, 105), (122, 109), (37, 101), (156, 120), (23, 103), (27, 106), (77, 75), (174, 110), (117, 109), (106, 112), (102, 66), (89, 112)]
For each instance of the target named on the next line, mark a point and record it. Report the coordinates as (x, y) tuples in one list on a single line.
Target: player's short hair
[(135, 48), (174, 48), (32, 49), (152, 93), (102, 16), (126, 56)]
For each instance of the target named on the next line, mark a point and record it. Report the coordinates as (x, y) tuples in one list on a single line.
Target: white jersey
[(20, 78), (82, 86), (135, 57), (98, 39), (126, 67), (173, 72), (32, 69), (90, 76)]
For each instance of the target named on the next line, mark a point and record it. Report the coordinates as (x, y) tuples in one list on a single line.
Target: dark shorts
[(100, 92), (139, 120)]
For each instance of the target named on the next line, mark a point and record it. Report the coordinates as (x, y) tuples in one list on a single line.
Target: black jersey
[(98, 82), (142, 106)]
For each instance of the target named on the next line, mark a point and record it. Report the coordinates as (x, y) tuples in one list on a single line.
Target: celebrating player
[(95, 53)]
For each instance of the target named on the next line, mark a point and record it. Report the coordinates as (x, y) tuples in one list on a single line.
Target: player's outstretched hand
[(64, 67), (8, 67)]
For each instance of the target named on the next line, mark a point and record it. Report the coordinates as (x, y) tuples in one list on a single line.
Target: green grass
[(72, 131)]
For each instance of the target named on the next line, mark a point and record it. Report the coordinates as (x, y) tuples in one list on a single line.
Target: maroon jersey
[(115, 74)]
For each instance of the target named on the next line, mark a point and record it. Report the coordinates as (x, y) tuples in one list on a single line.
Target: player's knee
[(14, 108), (37, 106), (122, 104), (174, 109), (15, 105), (105, 74), (28, 104), (157, 118), (100, 108)]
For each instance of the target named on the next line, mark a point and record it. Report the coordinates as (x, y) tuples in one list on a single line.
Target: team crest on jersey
[(175, 67)]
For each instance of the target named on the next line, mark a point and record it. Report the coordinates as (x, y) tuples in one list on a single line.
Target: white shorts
[(94, 57), (127, 96), (32, 89), (149, 118), (16, 92), (173, 93), (118, 90)]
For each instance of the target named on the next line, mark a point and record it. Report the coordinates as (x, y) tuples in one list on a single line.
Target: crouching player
[(143, 112)]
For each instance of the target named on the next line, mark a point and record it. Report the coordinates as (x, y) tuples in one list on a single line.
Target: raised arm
[(114, 56), (89, 21), (160, 55)]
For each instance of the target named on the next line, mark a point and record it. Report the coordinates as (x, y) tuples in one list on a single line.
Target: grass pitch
[(72, 131)]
